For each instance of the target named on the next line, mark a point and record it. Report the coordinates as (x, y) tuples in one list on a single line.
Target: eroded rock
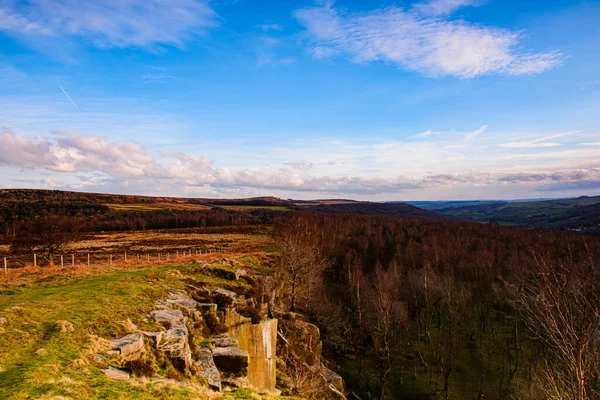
[(128, 344), (176, 347), (209, 370)]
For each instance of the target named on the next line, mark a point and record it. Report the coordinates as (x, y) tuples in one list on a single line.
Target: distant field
[(156, 207)]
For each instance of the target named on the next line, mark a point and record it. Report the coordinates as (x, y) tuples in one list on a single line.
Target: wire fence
[(87, 259)]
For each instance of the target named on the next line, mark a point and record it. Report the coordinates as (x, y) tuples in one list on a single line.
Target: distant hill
[(389, 209), (446, 205), (579, 214)]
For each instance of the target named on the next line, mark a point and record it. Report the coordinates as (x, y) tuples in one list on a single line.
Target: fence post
[(148, 257), (34, 260), (110, 260), (5, 266), (176, 254), (125, 258), (73, 260), (88, 259), (138, 258), (62, 261)]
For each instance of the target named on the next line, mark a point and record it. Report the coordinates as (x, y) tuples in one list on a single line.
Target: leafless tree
[(47, 236), (561, 304), (388, 319)]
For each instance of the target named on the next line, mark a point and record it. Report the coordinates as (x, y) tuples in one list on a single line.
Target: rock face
[(260, 341), (208, 368), (128, 344), (230, 359)]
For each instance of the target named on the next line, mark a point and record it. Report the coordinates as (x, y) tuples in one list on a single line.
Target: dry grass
[(103, 246)]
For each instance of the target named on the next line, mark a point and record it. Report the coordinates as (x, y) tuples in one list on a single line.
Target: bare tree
[(46, 236), (561, 304), (299, 261), (389, 318)]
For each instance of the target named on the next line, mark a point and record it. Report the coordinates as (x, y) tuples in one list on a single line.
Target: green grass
[(37, 360)]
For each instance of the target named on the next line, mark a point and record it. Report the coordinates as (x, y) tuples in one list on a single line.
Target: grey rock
[(128, 344), (230, 359), (169, 318), (3, 320), (176, 346), (209, 370)]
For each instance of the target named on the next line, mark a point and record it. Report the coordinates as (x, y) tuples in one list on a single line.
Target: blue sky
[(404, 100)]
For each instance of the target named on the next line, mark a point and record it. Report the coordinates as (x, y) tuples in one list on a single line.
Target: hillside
[(30, 204), (579, 214)]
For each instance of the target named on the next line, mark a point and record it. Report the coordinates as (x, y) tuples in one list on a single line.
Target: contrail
[(69, 97)]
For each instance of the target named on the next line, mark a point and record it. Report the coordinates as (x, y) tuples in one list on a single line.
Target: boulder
[(168, 318), (128, 344), (115, 373), (209, 370), (177, 348), (230, 359)]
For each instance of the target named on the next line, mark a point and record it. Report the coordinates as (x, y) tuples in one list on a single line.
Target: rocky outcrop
[(248, 350)]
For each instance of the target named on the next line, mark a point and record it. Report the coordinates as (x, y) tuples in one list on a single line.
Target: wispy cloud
[(131, 23), (444, 7), (476, 132), (270, 27), (539, 142), (432, 46)]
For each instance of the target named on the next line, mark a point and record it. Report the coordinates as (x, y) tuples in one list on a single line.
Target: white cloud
[(432, 46), (444, 7), (89, 162), (112, 23)]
